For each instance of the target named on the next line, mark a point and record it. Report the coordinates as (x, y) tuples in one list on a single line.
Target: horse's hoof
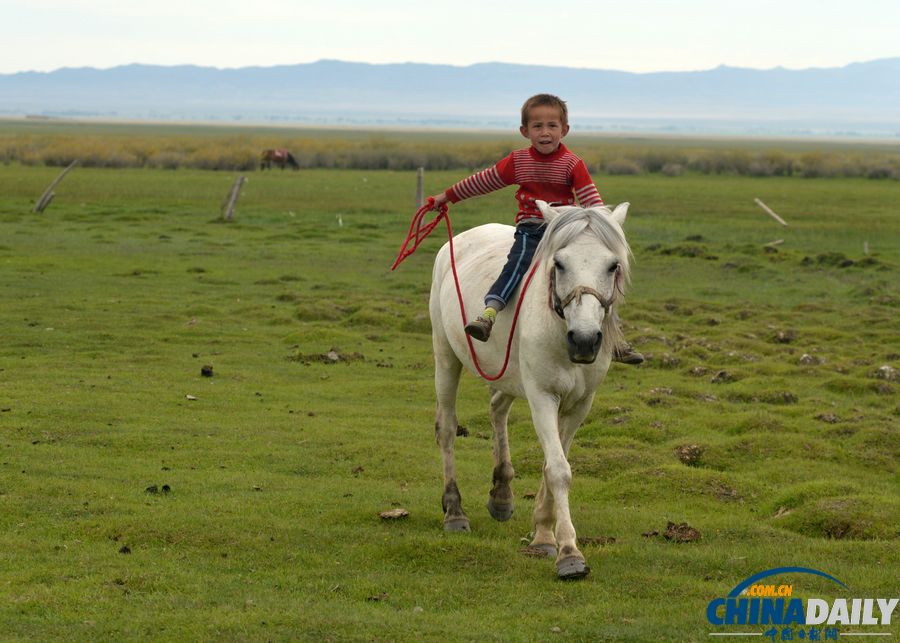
[(549, 548), (572, 568), (457, 524), (500, 512)]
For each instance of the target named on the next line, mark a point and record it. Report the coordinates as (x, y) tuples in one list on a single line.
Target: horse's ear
[(619, 213), (546, 210)]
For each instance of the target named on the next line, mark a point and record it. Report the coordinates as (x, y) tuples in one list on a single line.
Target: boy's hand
[(439, 200)]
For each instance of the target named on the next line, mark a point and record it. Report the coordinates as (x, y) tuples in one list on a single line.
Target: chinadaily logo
[(771, 607)]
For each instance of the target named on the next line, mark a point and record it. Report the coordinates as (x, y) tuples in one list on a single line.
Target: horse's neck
[(539, 298)]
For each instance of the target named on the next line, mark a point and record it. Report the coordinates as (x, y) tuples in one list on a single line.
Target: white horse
[(559, 356)]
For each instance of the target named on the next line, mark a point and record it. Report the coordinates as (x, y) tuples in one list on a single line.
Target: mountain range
[(860, 98)]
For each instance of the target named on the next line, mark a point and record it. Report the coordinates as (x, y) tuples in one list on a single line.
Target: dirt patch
[(688, 251), (534, 552), (333, 356), (765, 397), (779, 397), (724, 492), (722, 377), (887, 373), (681, 533), (785, 337), (837, 259), (597, 541), (668, 361), (689, 454)]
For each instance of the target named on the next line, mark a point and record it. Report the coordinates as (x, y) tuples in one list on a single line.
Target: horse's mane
[(571, 223)]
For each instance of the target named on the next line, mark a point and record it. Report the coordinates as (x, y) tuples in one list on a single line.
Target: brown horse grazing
[(280, 157)]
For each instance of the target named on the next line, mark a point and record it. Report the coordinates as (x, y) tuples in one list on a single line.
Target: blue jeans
[(525, 242)]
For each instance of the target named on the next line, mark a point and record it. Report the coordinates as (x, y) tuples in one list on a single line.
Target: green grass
[(116, 296)]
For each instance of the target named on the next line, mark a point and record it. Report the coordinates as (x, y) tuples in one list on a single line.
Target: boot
[(480, 329), (625, 354)]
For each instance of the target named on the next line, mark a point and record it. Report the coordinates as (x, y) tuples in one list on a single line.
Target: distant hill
[(862, 98)]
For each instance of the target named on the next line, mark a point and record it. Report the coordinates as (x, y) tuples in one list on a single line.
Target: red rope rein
[(416, 235)]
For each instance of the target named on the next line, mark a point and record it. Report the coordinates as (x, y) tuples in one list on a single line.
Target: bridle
[(558, 305)]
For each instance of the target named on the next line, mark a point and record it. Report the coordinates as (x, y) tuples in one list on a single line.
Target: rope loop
[(415, 236)]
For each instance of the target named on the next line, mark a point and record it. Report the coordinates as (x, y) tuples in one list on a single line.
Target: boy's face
[(545, 128)]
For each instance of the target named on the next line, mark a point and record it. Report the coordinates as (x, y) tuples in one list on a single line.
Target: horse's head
[(586, 255)]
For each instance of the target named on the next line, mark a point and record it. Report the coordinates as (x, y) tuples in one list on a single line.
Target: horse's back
[(480, 254), (477, 247)]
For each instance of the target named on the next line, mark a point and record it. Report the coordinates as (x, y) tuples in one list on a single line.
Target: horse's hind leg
[(500, 502), (447, 370)]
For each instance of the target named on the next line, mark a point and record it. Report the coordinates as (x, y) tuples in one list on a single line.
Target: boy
[(546, 171)]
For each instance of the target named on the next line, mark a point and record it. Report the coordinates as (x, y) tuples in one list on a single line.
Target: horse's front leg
[(569, 421), (500, 502), (557, 479)]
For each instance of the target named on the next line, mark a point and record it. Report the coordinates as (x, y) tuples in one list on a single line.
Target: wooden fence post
[(48, 194), (231, 201), (769, 211), (420, 187)]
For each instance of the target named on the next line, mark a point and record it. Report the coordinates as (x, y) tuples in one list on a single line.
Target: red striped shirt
[(560, 178)]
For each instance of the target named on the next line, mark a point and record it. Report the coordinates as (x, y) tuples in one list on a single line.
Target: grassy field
[(263, 524)]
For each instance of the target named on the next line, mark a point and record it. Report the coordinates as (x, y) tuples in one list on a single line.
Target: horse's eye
[(613, 268), (558, 265)]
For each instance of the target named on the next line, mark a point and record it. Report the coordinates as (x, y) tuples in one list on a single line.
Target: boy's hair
[(547, 100)]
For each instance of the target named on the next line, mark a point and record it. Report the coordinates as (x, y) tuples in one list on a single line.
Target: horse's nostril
[(584, 344)]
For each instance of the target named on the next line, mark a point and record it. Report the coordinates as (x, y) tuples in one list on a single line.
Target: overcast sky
[(631, 35)]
